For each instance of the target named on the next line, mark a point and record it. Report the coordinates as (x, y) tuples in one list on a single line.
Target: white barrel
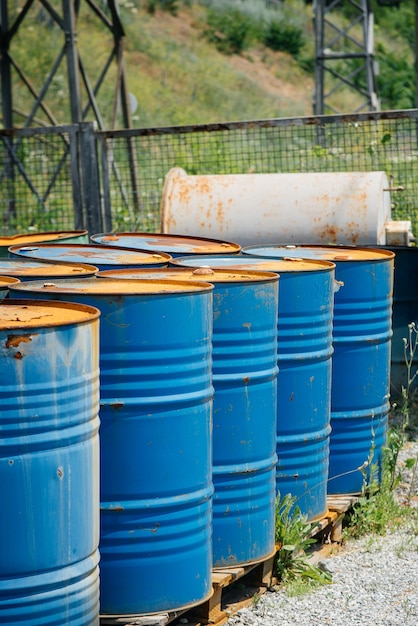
[(315, 207)]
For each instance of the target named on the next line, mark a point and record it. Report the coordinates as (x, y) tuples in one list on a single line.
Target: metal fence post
[(90, 180)]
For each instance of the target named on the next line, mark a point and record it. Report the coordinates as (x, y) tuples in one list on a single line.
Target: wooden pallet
[(238, 587)]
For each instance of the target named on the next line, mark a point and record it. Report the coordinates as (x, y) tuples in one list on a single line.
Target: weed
[(294, 536), (377, 509)]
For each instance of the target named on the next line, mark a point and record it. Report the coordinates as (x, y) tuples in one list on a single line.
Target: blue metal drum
[(155, 439), (49, 463), (72, 236), (362, 334), (244, 407), (175, 245), (5, 282), (103, 257), (25, 269), (304, 338), (404, 312)]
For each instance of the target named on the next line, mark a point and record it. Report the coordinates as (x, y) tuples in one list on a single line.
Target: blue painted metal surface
[(245, 307), (49, 463), (304, 329), (26, 269), (5, 282), (175, 245), (361, 362), (103, 257), (72, 236), (404, 311), (155, 439)]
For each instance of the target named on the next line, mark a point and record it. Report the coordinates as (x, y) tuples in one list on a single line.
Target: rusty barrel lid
[(5, 281), (247, 262), (24, 314), (33, 269), (96, 253), (175, 245), (109, 286), (28, 238), (334, 253), (212, 275)]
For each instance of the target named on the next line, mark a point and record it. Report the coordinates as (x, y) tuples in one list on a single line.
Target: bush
[(171, 6), (229, 29), (395, 81), (279, 35)]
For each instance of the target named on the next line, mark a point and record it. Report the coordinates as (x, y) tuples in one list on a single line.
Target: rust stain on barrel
[(14, 341)]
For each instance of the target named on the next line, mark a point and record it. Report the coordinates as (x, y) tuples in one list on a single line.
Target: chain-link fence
[(49, 183)]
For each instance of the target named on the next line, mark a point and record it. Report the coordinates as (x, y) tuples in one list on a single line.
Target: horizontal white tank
[(315, 207)]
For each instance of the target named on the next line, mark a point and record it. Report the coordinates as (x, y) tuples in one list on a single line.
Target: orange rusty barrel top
[(27, 269), (330, 253), (71, 236), (173, 244), (245, 262), (26, 314), (104, 257), (108, 286), (5, 281), (211, 275)]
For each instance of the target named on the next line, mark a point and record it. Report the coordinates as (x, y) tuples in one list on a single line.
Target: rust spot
[(110, 238), (154, 530), (292, 395), (14, 341), (18, 355), (246, 379), (116, 405)]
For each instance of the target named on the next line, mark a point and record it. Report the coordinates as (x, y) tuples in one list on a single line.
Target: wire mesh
[(36, 189), (363, 142), (39, 190)]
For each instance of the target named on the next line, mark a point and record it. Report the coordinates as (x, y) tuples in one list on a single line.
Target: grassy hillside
[(177, 74)]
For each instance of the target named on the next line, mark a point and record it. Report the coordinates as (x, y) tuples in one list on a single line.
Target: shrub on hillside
[(280, 35), (395, 81), (229, 29)]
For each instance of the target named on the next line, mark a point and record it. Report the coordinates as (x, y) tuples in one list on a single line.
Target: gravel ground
[(375, 580)]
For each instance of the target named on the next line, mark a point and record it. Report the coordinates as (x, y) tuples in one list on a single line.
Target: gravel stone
[(375, 580)]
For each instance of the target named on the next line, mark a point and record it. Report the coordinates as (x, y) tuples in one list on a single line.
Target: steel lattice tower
[(344, 56), (83, 94)]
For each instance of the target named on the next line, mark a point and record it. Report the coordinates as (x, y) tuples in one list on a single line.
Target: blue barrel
[(49, 463), (5, 282), (175, 245), (103, 257), (26, 269), (404, 312), (304, 350), (244, 408), (155, 439), (72, 236), (362, 334)]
